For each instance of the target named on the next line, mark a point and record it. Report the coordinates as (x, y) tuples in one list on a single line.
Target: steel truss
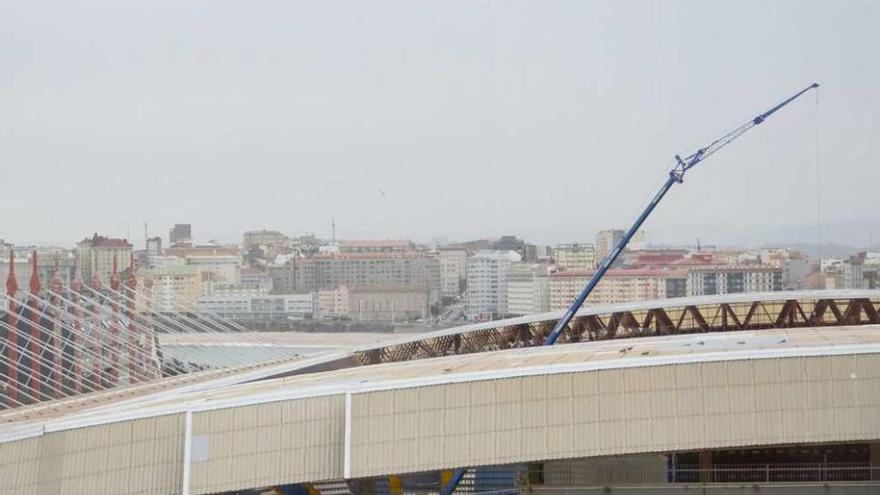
[(686, 319)]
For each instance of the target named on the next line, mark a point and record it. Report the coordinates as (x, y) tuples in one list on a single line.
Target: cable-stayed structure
[(60, 341)]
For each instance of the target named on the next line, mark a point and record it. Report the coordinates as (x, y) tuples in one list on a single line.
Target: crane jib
[(676, 175)]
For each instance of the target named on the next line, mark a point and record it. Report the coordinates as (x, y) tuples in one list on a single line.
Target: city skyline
[(405, 129)]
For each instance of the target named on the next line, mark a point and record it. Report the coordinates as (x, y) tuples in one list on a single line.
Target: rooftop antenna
[(333, 227)]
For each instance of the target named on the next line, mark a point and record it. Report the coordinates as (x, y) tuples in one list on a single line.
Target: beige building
[(528, 289), (414, 271), (96, 255), (224, 268), (333, 303), (387, 304), (607, 239), (618, 286), (605, 242), (174, 288), (575, 257), (453, 270)]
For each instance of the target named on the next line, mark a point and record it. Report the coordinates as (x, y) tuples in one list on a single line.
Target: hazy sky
[(547, 120)]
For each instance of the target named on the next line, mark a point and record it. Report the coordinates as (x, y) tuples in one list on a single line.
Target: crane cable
[(821, 282)]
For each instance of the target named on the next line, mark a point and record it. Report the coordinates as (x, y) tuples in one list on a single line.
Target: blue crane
[(676, 175)]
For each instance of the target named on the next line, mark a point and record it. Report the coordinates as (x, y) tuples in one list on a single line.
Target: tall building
[(618, 286), (638, 242), (575, 256), (154, 246), (453, 271), (794, 264), (870, 269), (487, 284), (95, 256), (709, 280), (528, 289), (845, 274), (605, 242), (181, 232)]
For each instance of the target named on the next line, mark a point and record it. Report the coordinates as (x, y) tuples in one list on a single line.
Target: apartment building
[(528, 289), (333, 303), (95, 257), (487, 284), (174, 288), (575, 257), (732, 279), (618, 286), (453, 271), (413, 271)]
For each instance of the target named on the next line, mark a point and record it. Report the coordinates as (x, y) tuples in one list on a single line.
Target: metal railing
[(774, 473), (578, 475)]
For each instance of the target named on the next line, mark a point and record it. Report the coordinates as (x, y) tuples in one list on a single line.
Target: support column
[(705, 463)]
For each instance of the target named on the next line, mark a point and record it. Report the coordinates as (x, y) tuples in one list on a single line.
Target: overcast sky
[(543, 119)]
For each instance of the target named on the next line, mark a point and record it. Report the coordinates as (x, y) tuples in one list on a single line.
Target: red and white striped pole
[(98, 362), (76, 287), (33, 305), (149, 338), (135, 352), (114, 327), (57, 344), (12, 337)]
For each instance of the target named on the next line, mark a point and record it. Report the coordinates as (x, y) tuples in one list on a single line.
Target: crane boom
[(676, 175)]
